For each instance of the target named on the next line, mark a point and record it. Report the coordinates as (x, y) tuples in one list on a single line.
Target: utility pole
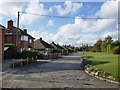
[(17, 28)]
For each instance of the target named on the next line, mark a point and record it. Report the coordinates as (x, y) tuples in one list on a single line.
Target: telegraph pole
[(17, 28)]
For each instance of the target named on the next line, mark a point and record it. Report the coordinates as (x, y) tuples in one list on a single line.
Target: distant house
[(54, 45), (18, 37), (2, 29), (58, 47), (43, 46)]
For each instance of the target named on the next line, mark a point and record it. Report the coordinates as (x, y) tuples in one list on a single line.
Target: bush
[(65, 52), (116, 50), (70, 50), (29, 54), (9, 45)]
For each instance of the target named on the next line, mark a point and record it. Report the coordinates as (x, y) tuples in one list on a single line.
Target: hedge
[(29, 54), (9, 45)]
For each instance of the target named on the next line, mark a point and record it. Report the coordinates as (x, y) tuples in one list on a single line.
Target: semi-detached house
[(18, 37), (13, 35)]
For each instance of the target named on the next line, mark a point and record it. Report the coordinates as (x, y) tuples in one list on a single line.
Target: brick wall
[(11, 37), (31, 44)]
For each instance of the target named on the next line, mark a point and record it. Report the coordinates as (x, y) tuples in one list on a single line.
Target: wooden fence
[(14, 61)]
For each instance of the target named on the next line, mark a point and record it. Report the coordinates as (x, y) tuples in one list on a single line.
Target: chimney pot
[(25, 30), (10, 24), (40, 39)]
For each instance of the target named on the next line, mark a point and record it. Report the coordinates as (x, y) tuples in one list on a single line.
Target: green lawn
[(105, 61)]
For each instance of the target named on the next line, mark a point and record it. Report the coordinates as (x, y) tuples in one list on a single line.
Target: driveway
[(65, 72)]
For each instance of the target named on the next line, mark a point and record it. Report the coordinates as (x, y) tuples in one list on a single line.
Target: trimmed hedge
[(9, 45), (29, 54)]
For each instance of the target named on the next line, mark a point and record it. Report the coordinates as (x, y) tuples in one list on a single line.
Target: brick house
[(2, 29), (18, 37)]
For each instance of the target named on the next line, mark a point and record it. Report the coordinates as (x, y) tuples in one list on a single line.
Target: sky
[(66, 22)]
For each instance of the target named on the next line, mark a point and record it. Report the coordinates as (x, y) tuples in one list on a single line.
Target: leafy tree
[(97, 46), (84, 47), (116, 50), (111, 46), (108, 40)]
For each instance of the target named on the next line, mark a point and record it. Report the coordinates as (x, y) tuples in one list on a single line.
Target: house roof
[(38, 45), (56, 46), (60, 47), (1, 26), (41, 44), (24, 33)]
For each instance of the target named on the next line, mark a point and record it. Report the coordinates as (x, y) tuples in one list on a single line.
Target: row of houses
[(22, 41)]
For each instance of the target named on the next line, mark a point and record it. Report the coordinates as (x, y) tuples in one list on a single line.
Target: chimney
[(40, 39), (10, 25), (25, 30)]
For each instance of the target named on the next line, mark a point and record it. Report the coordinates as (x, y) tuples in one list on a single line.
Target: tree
[(116, 50), (97, 46), (111, 46), (108, 40)]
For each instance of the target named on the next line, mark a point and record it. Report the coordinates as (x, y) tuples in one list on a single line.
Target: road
[(65, 72)]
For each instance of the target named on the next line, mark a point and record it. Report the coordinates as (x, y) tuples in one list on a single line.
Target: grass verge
[(104, 61)]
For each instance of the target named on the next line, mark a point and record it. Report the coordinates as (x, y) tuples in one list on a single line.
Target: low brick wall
[(52, 55)]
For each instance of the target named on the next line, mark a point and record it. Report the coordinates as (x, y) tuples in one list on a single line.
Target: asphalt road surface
[(65, 72)]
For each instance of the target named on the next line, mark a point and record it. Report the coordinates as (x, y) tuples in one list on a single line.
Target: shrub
[(9, 45), (29, 54), (70, 50), (116, 50), (65, 52)]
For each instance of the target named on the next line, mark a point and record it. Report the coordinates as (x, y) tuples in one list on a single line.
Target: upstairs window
[(24, 38)]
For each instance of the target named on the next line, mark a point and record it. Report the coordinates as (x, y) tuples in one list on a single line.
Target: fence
[(22, 61)]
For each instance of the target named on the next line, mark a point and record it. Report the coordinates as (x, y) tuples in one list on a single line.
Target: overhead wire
[(66, 17)]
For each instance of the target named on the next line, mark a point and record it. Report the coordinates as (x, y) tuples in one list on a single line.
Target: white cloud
[(86, 30), (109, 9), (35, 8), (83, 31), (69, 8), (10, 8), (50, 23), (1, 18), (114, 35), (45, 35)]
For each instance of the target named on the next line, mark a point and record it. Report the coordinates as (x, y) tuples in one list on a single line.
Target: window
[(24, 38)]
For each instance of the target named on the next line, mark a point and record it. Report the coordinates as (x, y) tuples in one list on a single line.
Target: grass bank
[(105, 61)]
